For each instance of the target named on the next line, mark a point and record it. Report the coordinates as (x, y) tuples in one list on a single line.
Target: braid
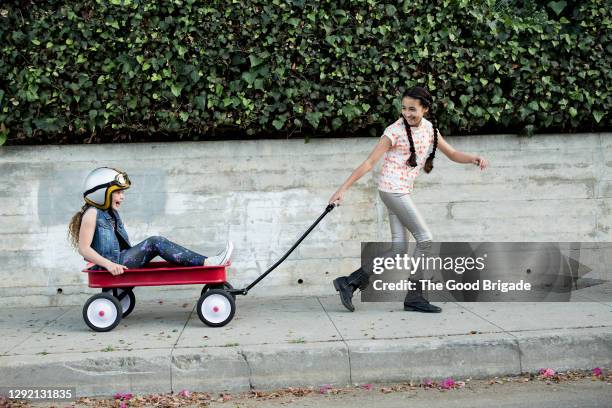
[(429, 162), (412, 159), (425, 99)]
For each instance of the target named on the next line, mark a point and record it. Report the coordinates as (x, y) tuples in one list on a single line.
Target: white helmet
[(100, 184)]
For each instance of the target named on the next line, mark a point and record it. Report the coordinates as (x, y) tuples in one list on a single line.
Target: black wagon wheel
[(126, 298), (216, 308), (102, 312)]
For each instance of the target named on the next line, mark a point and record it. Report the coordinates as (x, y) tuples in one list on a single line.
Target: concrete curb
[(417, 358), (566, 349), (138, 371), (340, 363)]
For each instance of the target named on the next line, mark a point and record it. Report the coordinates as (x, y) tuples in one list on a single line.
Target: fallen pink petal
[(184, 393), (547, 372), (325, 388), (447, 383), (460, 384), (123, 396), (123, 405), (367, 387), (597, 371)]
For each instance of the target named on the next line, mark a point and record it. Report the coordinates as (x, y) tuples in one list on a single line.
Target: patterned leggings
[(141, 254)]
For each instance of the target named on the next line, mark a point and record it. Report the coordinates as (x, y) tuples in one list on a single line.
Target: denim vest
[(105, 241)]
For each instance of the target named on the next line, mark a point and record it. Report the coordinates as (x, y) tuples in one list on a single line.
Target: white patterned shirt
[(396, 176)]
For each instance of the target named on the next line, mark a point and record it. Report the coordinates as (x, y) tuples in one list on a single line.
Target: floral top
[(396, 176)]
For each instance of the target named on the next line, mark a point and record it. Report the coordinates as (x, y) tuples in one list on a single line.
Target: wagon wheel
[(216, 308), (220, 286), (101, 312), (126, 298)]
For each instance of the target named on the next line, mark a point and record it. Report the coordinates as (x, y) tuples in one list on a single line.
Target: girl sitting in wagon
[(100, 236)]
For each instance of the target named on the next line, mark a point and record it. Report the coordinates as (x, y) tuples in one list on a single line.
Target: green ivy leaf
[(533, 105), (598, 116), (255, 61), (557, 6), (259, 84), (313, 118), (336, 123), (176, 90), (476, 111), (350, 112), (201, 101), (279, 122), (3, 134), (249, 77)]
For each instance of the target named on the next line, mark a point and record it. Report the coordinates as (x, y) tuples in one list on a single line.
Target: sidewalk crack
[(348, 349), (35, 332), (246, 360), (175, 344), (516, 340)]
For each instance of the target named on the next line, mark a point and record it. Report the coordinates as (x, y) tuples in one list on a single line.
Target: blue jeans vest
[(105, 241)]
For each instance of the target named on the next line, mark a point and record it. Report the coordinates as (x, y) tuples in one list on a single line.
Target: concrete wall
[(264, 194)]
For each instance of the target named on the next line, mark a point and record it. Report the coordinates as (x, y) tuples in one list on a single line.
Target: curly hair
[(74, 226)]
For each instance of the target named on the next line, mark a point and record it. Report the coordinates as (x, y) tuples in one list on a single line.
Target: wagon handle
[(263, 275)]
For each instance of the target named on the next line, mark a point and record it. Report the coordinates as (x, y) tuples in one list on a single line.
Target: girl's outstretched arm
[(381, 147), (460, 157)]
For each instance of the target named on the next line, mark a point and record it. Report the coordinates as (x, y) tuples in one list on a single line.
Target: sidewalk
[(301, 341)]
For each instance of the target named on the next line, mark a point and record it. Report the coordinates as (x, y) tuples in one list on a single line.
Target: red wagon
[(104, 311), (216, 306)]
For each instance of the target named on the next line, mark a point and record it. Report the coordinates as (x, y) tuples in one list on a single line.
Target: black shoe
[(346, 292), (424, 307)]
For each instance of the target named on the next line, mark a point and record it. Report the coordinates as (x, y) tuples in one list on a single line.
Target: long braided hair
[(426, 100)]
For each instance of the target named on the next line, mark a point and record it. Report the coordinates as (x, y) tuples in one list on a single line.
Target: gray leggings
[(404, 216)]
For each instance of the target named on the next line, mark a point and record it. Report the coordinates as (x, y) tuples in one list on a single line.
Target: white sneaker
[(222, 257)]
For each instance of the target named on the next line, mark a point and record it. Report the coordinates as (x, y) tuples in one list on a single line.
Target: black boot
[(423, 306), (415, 302), (347, 285)]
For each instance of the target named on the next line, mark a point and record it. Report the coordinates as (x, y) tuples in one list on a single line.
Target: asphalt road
[(584, 393)]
